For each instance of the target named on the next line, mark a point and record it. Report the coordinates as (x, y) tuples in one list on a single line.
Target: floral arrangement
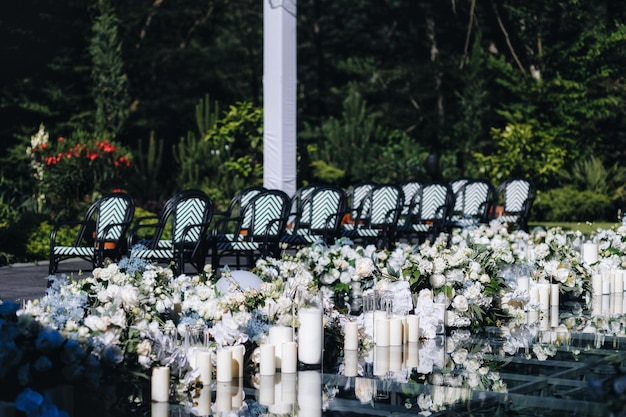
[(69, 170), (132, 316)]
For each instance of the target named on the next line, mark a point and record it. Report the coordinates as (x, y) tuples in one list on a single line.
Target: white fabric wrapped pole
[(279, 95)]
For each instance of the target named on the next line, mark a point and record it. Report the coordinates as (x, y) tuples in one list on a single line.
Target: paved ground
[(28, 281)]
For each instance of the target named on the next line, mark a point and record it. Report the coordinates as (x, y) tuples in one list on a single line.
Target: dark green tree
[(110, 83)]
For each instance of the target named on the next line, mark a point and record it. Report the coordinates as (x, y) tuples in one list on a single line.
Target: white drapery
[(279, 95)]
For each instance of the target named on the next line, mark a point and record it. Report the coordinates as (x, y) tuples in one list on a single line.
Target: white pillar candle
[(277, 336), (606, 283), (290, 358), (590, 253), (618, 286), (351, 335), (554, 294), (205, 366), (596, 284), (396, 358), (381, 360), (267, 360), (223, 400), (522, 283), (396, 331), (413, 325), (203, 402), (381, 332), (533, 316), (618, 303), (160, 384), (533, 294), (544, 295), (224, 365), (310, 335), (238, 352), (350, 363)]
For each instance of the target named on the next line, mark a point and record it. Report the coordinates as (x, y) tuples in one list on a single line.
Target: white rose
[(144, 348), (364, 267), (460, 303), (437, 280)]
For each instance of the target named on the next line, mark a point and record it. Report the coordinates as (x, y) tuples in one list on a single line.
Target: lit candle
[(381, 332), (351, 335), (224, 372), (267, 361), (203, 362), (277, 336), (396, 331), (413, 324), (290, 357), (310, 335), (160, 384)]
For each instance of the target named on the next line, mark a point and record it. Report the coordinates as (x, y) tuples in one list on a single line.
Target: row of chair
[(261, 222)]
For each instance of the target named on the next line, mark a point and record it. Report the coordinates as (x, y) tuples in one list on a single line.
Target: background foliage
[(495, 88)]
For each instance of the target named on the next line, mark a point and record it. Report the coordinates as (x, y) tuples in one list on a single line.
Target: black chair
[(101, 233), (472, 204), (255, 231), (316, 217), (375, 218), (515, 197), (428, 213), (189, 214)]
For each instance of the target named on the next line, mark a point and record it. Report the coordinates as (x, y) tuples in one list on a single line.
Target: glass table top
[(583, 376)]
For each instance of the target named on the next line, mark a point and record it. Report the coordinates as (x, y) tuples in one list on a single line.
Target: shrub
[(572, 205)]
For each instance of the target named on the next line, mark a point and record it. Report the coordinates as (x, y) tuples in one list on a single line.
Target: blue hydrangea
[(132, 265), (49, 340), (258, 326)]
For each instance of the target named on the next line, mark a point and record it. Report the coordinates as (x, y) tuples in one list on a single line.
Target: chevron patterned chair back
[(473, 202), (377, 216), (189, 213), (516, 196), (409, 189), (112, 215), (257, 229), (457, 185), (316, 216), (429, 211)]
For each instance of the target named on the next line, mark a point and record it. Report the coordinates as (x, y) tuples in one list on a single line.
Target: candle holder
[(310, 317)]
